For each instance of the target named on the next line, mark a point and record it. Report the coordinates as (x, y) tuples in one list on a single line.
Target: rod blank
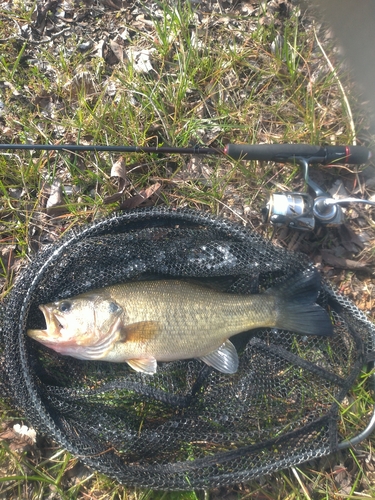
[(116, 149), (281, 153)]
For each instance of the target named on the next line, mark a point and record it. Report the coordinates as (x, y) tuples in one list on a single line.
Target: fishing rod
[(296, 210), (279, 153)]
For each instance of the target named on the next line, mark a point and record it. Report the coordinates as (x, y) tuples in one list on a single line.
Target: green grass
[(212, 82)]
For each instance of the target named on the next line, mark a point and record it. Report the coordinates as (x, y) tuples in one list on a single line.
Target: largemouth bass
[(144, 322)]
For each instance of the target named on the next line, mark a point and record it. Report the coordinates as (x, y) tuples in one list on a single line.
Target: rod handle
[(283, 153)]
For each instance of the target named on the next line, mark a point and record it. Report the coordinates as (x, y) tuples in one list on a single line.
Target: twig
[(52, 37)]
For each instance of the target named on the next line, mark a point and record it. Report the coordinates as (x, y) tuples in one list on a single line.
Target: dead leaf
[(51, 198), (20, 438), (42, 101), (118, 50), (98, 49), (41, 13), (349, 239), (119, 171), (25, 432), (142, 197), (338, 190), (113, 198), (368, 175), (112, 4), (343, 479), (55, 198), (342, 263), (140, 59), (81, 82)]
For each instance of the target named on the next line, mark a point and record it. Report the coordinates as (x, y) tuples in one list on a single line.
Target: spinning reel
[(301, 210)]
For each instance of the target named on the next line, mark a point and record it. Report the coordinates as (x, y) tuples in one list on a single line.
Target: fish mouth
[(54, 327)]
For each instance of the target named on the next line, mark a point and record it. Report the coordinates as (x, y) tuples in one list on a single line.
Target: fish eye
[(113, 307), (65, 306)]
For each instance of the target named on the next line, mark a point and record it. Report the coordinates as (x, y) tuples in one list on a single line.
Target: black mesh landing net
[(188, 426)]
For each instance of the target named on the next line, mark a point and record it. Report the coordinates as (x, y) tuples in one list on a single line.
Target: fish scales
[(193, 318), (144, 322)]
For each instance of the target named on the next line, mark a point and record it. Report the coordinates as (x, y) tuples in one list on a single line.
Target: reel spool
[(301, 211)]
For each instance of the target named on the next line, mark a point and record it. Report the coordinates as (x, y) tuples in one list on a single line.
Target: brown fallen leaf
[(82, 81), (118, 171), (55, 204), (350, 239), (342, 263), (113, 198), (112, 4), (145, 198), (117, 49)]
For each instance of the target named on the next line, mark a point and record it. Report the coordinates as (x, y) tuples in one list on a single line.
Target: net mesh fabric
[(188, 426)]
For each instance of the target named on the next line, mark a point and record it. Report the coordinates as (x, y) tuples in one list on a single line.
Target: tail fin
[(296, 305)]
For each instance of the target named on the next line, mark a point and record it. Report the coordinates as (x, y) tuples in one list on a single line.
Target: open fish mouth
[(54, 327)]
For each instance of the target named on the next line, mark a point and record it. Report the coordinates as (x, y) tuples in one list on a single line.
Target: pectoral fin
[(141, 331), (224, 359), (148, 365)]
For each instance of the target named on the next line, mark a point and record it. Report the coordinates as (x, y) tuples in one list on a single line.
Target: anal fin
[(224, 359), (145, 365)]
